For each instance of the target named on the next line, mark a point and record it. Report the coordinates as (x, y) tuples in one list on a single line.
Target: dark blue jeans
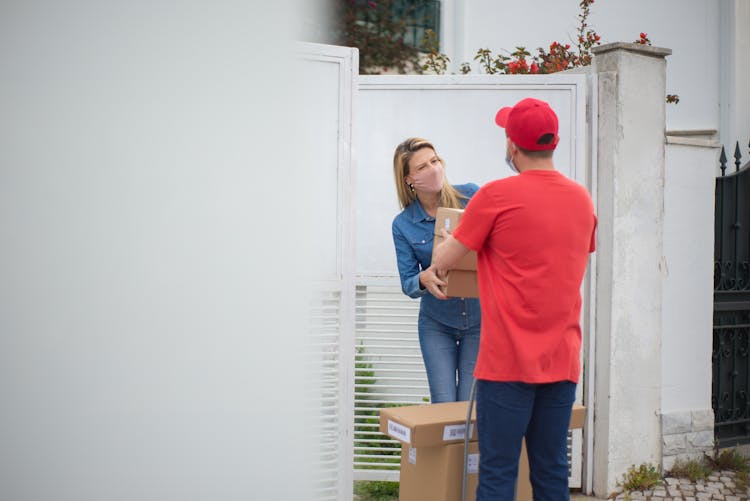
[(508, 411), (449, 356)]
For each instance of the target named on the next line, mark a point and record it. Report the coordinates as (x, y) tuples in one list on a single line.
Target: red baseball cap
[(526, 123)]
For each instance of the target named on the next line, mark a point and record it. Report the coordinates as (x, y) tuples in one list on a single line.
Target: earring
[(411, 187)]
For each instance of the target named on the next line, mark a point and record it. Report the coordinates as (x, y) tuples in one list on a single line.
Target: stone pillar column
[(630, 268)]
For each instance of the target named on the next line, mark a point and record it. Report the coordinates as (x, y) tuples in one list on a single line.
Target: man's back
[(533, 234)]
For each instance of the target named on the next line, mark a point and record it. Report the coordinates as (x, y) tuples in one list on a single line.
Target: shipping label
[(412, 455), (456, 431), (472, 463), (399, 431)]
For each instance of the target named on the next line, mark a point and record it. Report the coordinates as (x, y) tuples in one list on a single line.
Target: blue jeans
[(508, 411), (449, 356)]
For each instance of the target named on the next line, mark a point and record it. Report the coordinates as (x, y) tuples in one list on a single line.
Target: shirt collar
[(417, 213)]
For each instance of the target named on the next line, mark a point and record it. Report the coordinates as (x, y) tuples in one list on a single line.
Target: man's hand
[(429, 280), (448, 252)]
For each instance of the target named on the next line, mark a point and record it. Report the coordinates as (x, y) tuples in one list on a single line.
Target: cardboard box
[(432, 459), (435, 473), (448, 218), (428, 425), (461, 283), (462, 279)]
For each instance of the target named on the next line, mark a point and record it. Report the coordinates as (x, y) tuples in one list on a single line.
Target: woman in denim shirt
[(448, 327)]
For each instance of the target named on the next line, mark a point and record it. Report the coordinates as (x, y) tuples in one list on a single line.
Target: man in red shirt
[(533, 234)]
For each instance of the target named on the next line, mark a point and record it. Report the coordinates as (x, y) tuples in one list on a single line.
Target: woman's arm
[(415, 283), (408, 266)]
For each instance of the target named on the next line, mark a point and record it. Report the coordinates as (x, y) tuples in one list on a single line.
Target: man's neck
[(535, 164)]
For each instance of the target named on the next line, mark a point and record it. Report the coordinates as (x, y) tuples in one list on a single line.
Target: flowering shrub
[(559, 57), (643, 40)]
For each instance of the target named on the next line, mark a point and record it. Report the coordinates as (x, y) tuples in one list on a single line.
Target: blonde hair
[(449, 196)]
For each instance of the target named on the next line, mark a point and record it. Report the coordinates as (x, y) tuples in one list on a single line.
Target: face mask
[(510, 163), (429, 180)]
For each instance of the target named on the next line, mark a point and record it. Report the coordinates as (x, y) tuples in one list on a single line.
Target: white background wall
[(735, 74), (147, 168), (688, 270), (689, 27)]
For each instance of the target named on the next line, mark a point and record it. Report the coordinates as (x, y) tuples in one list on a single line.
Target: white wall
[(735, 75), (689, 27), (688, 284), (147, 350)]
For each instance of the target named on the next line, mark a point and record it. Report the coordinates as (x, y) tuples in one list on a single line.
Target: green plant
[(376, 491), (375, 446), (642, 477), (693, 469), (436, 61), (729, 459)]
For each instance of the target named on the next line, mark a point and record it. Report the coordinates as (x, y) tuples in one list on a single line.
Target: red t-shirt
[(533, 234)]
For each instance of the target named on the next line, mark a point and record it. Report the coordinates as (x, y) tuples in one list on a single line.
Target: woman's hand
[(430, 281)]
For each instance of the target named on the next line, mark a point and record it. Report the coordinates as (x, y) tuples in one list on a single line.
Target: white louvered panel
[(389, 371), (323, 373)]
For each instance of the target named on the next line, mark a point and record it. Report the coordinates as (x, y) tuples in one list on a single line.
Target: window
[(417, 16)]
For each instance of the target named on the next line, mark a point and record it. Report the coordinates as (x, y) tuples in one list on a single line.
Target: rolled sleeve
[(408, 266)]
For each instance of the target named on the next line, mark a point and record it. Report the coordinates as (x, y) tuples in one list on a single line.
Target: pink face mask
[(429, 180)]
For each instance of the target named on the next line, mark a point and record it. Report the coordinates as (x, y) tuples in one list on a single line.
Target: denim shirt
[(413, 232)]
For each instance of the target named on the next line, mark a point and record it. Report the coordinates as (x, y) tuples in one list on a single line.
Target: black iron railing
[(731, 332)]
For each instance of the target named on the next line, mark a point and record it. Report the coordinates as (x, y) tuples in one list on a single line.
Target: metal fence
[(731, 331)]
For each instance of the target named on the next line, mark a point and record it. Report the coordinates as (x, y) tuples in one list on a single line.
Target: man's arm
[(447, 253)]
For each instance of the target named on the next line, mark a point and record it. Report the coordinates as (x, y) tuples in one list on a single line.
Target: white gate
[(456, 113), (326, 104), (363, 328)]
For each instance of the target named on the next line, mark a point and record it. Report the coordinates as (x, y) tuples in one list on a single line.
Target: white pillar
[(630, 269)]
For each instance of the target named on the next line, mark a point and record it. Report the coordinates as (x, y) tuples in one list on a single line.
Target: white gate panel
[(457, 114), (327, 100)]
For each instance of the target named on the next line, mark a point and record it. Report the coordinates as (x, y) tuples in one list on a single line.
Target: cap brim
[(501, 118)]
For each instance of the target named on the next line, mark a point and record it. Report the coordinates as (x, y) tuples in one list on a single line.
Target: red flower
[(643, 35), (534, 68)]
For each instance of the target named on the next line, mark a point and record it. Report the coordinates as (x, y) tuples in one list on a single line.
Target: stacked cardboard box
[(462, 279), (432, 451)]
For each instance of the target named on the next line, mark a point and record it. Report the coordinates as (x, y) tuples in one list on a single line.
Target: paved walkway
[(720, 486)]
